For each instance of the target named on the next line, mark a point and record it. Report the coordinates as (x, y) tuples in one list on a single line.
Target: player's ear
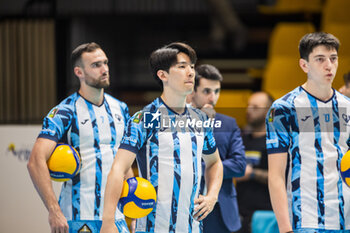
[(78, 72), (162, 75), (304, 65)]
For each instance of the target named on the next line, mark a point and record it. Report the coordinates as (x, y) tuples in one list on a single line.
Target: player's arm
[(40, 176), (120, 168), (278, 194), (213, 180)]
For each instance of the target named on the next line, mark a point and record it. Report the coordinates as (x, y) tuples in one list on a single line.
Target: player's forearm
[(279, 202), (39, 173), (112, 193), (213, 177)]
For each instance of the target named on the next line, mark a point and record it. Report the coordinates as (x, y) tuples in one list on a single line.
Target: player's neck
[(322, 92), (93, 95), (176, 103)]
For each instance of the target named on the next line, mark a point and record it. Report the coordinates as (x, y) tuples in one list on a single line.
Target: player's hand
[(209, 110), (109, 227), (205, 206), (58, 222)]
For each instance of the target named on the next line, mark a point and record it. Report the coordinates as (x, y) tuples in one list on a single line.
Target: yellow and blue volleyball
[(138, 197), (64, 163), (345, 168)]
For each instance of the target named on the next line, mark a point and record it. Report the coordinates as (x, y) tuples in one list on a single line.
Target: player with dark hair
[(308, 132), (168, 140), (93, 123)]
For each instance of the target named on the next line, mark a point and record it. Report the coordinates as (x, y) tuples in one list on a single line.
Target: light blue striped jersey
[(96, 132), (169, 148), (315, 134)]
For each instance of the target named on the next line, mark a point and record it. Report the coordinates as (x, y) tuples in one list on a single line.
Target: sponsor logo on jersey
[(271, 115), (84, 121), (53, 112), (305, 118), (138, 117)]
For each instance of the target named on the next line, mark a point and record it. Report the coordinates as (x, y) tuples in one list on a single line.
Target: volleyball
[(138, 197), (345, 168), (64, 163)]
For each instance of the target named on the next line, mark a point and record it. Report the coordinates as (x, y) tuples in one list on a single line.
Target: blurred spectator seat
[(282, 72), (292, 7), (342, 32), (234, 103), (285, 39), (335, 12)]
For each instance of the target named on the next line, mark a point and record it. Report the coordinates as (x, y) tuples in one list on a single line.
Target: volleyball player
[(168, 152), (93, 123), (308, 131)]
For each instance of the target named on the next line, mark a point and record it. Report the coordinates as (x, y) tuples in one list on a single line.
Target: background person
[(252, 190), (225, 216), (345, 89)]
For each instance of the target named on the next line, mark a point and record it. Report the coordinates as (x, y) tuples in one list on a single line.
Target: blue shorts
[(312, 230), (94, 226)]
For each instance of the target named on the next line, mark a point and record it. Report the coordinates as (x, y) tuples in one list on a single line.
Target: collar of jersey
[(318, 98), (170, 109), (92, 103)]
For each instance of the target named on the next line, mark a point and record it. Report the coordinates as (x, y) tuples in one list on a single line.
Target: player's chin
[(104, 84), (188, 89)]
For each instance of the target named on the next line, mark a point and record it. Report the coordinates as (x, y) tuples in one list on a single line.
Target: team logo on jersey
[(53, 112), (138, 117), (271, 115), (84, 229), (152, 120), (346, 118), (118, 117)]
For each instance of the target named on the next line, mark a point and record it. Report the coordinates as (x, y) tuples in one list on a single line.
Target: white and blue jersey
[(315, 134), (169, 148), (95, 132)]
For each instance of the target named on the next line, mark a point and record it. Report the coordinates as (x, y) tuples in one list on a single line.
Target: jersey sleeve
[(125, 110), (278, 128), (57, 123), (209, 145), (134, 134)]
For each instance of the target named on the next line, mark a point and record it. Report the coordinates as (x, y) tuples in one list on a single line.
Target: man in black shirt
[(252, 190)]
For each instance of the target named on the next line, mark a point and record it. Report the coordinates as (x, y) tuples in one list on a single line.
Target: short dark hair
[(312, 40), (207, 71), (166, 57), (83, 48), (347, 79)]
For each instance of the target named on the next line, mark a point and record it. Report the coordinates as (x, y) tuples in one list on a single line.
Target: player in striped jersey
[(93, 123), (168, 142), (308, 131)]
